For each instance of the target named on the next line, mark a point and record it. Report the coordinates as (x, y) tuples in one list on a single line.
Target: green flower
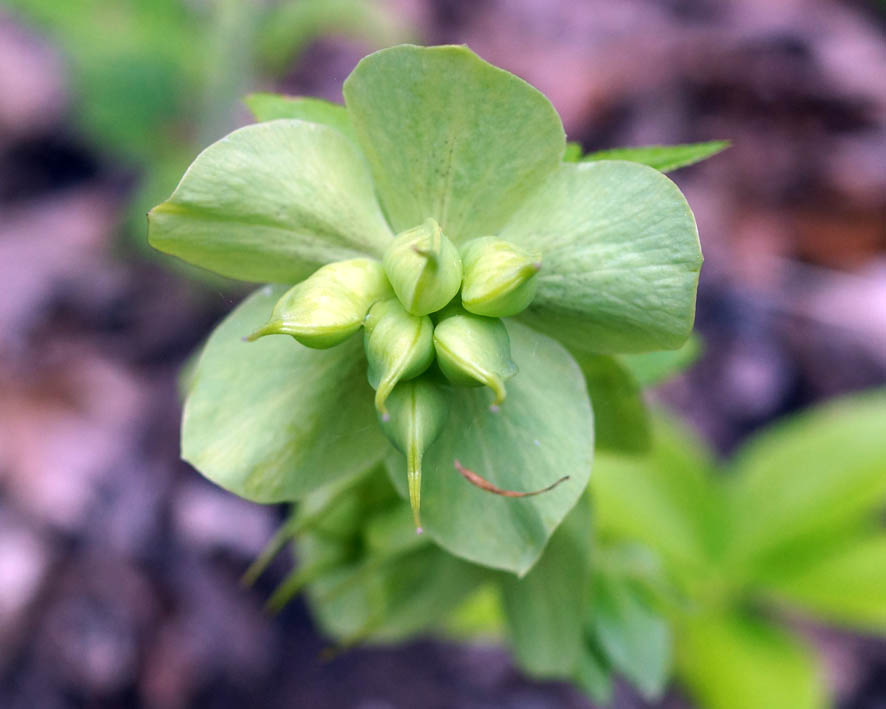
[(441, 148)]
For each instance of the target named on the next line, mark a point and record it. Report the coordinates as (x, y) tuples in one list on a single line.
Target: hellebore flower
[(449, 173)]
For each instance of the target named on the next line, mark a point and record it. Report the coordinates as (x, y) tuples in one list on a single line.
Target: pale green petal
[(543, 431), (450, 136), (272, 420), (620, 257), (272, 202)]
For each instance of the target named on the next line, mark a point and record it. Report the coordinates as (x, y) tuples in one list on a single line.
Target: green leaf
[(633, 635), (593, 676), (732, 662), (372, 577), (272, 202), (819, 471), (391, 601), (621, 421), (545, 608), (543, 431), (620, 257), (272, 420), (479, 618), (847, 586), (663, 157), (572, 152), (270, 107), (450, 136), (650, 368), (665, 499)]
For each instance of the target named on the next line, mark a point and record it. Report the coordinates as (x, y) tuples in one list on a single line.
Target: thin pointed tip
[(385, 416), (494, 408), (267, 329), (419, 530), (536, 265)]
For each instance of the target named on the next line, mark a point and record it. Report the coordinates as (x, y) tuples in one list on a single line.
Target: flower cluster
[(409, 306), (420, 212)]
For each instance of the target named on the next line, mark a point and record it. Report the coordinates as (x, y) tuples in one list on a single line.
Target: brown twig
[(484, 484)]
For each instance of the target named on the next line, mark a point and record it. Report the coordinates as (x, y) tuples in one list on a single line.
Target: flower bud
[(399, 346), (499, 277), (473, 350), (418, 413), (424, 268), (330, 305)]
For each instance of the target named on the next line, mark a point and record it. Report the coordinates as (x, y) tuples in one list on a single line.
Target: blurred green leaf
[(572, 152), (815, 472), (269, 107), (633, 635), (478, 618), (378, 580), (663, 157), (544, 609), (543, 431), (847, 586), (732, 662), (621, 421), (288, 27), (649, 368), (593, 675), (665, 499), (266, 420)]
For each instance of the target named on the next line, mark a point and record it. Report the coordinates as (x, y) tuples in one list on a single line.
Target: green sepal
[(328, 307), (399, 346), (499, 277), (418, 410), (424, 268), (473, 350)]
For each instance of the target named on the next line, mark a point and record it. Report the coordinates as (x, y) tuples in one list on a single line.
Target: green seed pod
[(424, 268), (399, 346), (330, 305), (418, 412), (499, 277), (473, 350)]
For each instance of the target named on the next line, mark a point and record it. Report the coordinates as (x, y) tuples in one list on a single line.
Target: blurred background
[(119, 564)]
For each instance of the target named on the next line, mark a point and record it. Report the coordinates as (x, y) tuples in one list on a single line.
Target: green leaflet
[(272, 420), (633, 636), (543, 431), (272, 202), (663, 157), (544, 609), (814, 473), (733, 662), (377, 579), (621, 258), (450, 136), (847, 585), (621, 421), (269, 107), (665, 499), (650, 368)]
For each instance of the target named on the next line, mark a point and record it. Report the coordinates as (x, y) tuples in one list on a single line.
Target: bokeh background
[(120, 565)]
